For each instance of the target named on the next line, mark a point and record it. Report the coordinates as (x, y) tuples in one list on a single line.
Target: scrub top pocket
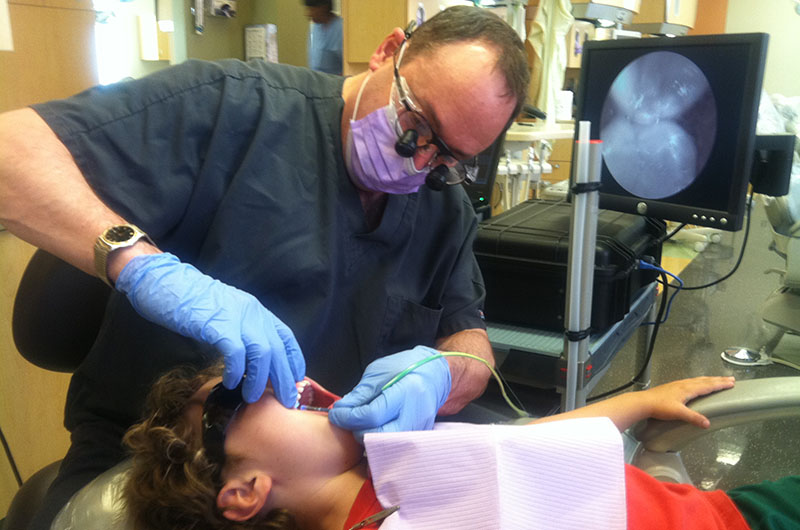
[(407, 324)]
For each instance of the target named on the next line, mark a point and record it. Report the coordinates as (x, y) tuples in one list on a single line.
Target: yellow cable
[(417, 364)]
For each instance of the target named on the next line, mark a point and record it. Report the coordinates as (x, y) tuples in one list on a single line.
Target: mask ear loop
[(360, 92)]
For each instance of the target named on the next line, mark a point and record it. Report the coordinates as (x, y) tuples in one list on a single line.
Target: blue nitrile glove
[(181, 298), (409, 404)]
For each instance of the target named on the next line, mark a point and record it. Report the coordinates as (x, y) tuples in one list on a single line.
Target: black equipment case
[(522, 254)]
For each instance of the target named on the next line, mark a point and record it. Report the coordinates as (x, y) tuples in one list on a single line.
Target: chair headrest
[(58, 310), (99, 505)]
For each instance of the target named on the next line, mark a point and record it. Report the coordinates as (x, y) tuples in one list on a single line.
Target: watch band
[(114, 238)]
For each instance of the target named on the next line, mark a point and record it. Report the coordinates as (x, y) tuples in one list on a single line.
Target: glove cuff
[(135, 269), (447, 380)]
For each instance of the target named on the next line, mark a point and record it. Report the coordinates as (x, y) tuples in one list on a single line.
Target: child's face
[(285, 441)]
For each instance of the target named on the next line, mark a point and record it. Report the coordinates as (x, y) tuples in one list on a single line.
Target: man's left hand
[(411, 403)]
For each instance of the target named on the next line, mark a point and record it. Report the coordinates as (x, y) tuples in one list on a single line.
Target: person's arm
[(45, 199), (122, 139), (468, 376), (663, 402), (405, 390)]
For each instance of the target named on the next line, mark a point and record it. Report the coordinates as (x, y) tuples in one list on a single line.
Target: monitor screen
[(480, 191), (677, 118)]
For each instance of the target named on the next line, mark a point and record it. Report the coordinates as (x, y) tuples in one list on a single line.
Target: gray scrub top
[(237, 168)]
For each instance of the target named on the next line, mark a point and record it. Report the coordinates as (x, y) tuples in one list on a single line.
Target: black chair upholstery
[(29, 496), (57, 314)]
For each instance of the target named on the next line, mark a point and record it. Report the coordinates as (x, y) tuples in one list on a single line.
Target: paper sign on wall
[(6, 42), (261, 42)]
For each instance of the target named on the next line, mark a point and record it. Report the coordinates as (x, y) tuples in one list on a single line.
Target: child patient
[(199, 464)]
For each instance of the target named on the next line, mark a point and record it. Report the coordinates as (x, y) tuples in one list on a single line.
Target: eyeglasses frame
[(219, 409), (468, 168)]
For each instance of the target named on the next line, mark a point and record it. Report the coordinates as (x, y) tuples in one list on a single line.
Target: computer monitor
[(677, 118), (480, 191)]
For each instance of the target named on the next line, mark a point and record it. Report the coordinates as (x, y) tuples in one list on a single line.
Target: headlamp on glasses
[(414, 131)]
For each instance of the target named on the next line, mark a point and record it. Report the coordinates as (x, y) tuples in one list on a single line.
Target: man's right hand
[(379, 403), (251, 339)]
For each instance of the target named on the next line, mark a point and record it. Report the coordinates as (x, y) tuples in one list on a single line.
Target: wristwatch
[(114, 238)]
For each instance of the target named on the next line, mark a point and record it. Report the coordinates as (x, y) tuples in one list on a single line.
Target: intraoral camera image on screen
[(659, 118), (677, 120)]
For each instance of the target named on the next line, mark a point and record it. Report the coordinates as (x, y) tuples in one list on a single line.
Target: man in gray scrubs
[(287, 226)]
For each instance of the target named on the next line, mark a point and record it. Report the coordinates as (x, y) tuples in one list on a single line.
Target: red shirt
[(366, 504), (652, 505)]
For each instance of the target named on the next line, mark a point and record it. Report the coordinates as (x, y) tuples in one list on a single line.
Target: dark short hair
[(464, 24), (318, 3)]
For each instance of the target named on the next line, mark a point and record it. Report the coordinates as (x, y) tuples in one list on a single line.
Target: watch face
[(118, 234)]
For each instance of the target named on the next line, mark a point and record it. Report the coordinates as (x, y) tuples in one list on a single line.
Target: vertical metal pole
[(580, 267)]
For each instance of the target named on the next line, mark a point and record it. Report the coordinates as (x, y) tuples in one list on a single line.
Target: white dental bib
[(565, 474)]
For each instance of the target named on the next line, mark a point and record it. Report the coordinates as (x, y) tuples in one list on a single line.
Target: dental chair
[(776, 176), (780, 193), (654, 445), (46, 300), (57, 314), (782, 308)]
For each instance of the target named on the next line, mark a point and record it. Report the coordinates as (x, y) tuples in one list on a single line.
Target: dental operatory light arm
[(663, 402), (469, 378), (45, 199)]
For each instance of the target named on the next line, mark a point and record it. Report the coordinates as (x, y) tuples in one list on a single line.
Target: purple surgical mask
[(370, 156)]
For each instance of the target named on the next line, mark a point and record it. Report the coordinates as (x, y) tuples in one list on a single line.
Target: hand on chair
[(668, 401)]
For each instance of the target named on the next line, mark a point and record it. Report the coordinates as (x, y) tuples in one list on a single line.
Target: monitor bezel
[(752, 76)]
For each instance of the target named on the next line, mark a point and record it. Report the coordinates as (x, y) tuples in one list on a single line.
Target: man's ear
[(241, 499), (387, 48)]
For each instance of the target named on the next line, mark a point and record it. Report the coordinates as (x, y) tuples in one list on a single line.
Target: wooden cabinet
[(84, 5), (711, 17), (366, 24), (53, 53), (561, 160), (682, 13)]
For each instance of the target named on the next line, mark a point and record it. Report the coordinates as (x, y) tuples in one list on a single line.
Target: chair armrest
[(749, 401)]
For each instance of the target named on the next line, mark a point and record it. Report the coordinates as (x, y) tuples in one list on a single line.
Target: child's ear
[(241, 499)]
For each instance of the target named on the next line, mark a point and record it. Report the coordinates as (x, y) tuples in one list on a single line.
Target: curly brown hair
[(170, 484)]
